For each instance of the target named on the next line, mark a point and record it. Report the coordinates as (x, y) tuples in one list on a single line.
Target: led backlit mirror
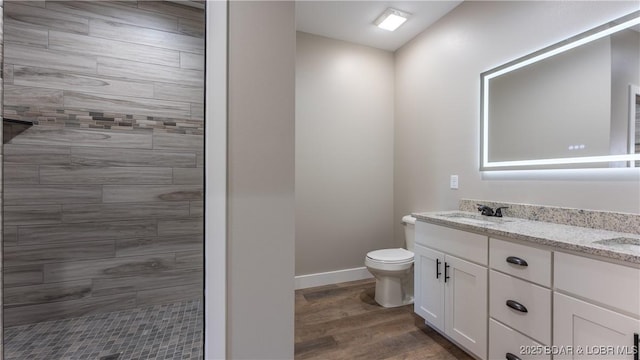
[(575, 104)]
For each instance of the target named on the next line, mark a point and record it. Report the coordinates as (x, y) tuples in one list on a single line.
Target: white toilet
[(393, 270)]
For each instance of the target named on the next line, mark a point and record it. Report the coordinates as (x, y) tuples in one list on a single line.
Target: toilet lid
[(391, 255)]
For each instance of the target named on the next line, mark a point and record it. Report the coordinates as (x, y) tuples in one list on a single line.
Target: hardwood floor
[(343, 321)]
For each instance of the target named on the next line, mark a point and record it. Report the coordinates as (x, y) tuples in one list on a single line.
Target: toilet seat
[(390, 256)]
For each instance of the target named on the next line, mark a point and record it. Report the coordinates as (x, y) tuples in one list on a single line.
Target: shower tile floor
[(169, 331)]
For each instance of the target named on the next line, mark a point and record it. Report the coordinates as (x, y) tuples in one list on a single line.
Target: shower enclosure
[(103, 179)]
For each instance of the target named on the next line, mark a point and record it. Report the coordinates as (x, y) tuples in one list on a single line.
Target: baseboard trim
[(331, 277)]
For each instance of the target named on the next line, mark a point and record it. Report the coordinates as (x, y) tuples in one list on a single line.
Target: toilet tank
[(409, 223)]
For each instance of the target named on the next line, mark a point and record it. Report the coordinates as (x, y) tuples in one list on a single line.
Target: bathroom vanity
[(521, 289)]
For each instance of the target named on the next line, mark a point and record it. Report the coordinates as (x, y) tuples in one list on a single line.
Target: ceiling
[(353, 20)]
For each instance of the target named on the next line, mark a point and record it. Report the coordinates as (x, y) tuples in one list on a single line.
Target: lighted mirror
[(575, 104)]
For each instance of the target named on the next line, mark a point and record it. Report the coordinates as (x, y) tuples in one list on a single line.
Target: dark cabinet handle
[(516, 306), (446, 273), (510, 356), (517, 261), (636, 346), (438, 273)]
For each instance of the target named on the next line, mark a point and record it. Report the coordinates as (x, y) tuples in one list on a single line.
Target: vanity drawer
[(503, 340), (504, 254), (463, 244), (536, 321), (613, 285)]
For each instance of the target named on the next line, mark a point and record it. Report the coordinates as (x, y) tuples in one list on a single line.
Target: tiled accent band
[(73, 118)]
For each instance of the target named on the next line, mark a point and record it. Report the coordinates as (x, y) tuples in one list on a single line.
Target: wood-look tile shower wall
[(1, 159), (103, 195)]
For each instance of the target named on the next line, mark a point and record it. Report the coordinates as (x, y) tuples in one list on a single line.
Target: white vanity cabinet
[(451, 284), (502, 299), (519, 300), (596, 308)]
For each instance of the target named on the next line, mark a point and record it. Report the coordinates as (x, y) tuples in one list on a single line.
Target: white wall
[(261, 180), (437, 108), (344, 153)]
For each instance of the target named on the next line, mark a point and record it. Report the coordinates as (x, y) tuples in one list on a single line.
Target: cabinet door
[(592, 332), (466, 305), (429, 296)]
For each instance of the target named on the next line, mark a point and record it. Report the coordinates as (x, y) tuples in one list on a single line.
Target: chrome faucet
[(487, 211)]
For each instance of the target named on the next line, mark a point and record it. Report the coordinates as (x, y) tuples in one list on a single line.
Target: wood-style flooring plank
[(191, 27), (89, 45), (197, 111), (196, 208), (108, 268), (66, 309), (50, 59), (20, 174), (145, 36), (178, 142), (45, 293), (149, 72), (190, 259), (347, 324), (126, 104), (85, 232), (191, 61), (111, 11), (39, 17), (9, 235), (22, 275), (7, 73), (123, 211), (32, 214), (165, 7), (168, 295), (34, 3), (43, 254), (126, 157), (45, 136), (199, 160), (51, 194), (106, 175), (62, 80), (44, 155), (16, 32), (156, 280), (180, 226), (177, 92), (158, 245), (342, 321), (188, 176), (20, 95), (142, 193)]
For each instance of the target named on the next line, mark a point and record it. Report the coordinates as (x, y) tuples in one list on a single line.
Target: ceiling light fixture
[(391, 19)]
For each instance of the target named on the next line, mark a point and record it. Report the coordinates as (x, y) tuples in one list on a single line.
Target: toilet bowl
[(393, 270)]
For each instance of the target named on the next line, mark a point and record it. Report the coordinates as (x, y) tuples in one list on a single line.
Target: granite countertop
[(603, 243)]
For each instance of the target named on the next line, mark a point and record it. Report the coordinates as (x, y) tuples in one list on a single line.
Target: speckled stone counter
[(603, 243), (595, 219)]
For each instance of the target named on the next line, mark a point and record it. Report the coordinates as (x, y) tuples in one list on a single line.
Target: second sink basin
[(622, 242)]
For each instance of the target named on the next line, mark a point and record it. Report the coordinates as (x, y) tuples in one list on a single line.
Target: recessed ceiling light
[(391, 19)]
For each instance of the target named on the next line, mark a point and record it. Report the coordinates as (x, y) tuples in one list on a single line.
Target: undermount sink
[(622, 242), (475, 218)]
